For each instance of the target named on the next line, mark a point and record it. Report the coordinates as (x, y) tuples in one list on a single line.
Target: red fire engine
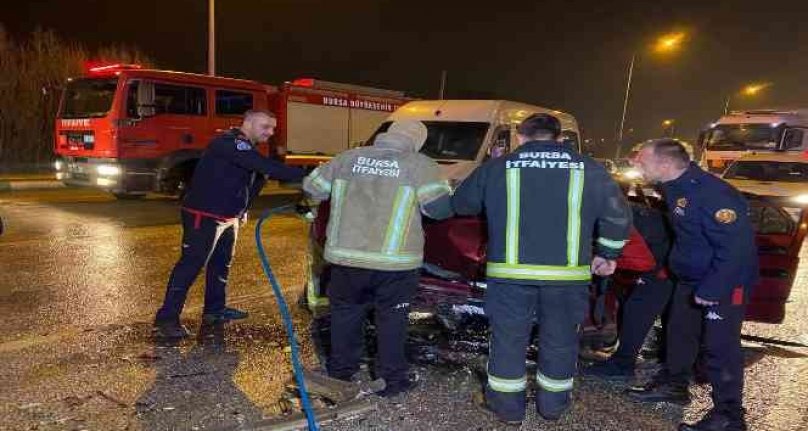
[(131, 130)]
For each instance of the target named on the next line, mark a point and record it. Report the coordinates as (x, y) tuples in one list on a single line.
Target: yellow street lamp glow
[(669, 42), (667, 123), (753, 89)]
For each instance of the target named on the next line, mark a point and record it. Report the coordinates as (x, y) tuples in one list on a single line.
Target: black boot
[(225, 315), (169, 330), (609, 370), (668, 391), (717, 420)]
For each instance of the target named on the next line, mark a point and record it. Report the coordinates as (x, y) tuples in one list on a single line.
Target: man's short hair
[(671, 149), (254, 112), (540, 124)]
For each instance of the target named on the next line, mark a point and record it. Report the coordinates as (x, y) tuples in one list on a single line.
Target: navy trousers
[(512, 310), (353, 292), (206, 243), (716, 329), (647, 300)]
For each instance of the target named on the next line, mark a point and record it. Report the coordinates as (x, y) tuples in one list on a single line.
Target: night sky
[(568, 55)]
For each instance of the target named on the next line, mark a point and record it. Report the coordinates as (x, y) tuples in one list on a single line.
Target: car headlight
[(632, 174), (108, 170), (801, 199)]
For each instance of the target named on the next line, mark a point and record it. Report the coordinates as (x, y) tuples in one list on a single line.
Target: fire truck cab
[(130, 130)]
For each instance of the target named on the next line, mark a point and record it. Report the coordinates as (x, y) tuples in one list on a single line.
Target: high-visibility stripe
[(337, 198), (507, 385), (371, 257), (403, 206), (611, 243), (314, 295), (538, 272), (513, 189), (433, 190), (320, 182), (553, 385), (574, 198)]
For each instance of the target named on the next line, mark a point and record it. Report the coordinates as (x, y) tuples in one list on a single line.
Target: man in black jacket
[(227, 178)]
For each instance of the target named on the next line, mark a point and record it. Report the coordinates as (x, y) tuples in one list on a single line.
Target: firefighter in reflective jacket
[(546, 205), (227, 178), (714, 261), (374, 242)]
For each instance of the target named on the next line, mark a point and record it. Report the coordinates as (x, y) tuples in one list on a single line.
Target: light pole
[(669, 127), (749, 90), (211, 37), (666, 43)]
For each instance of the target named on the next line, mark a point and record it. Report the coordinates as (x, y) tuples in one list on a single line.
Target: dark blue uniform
[(545, 206), (714, 257), (227, 178)]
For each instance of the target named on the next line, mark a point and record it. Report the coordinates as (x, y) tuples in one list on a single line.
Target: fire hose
[(286, 317)]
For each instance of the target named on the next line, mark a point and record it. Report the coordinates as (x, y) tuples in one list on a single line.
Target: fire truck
[(130, 130)]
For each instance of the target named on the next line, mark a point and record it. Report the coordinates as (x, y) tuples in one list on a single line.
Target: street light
[(664, 44), (748, 90), (669, 126), (669, 42)]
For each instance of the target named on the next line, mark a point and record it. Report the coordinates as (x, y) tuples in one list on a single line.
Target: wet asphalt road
[(82, 274)]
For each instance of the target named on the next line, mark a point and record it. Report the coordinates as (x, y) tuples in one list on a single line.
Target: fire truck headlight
[(108, 170), (801, 199), (57, 165)]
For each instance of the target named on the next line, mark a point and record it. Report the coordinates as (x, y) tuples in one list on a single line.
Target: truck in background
[(319, 119), (464, 133), (744, 132), (131, 131)]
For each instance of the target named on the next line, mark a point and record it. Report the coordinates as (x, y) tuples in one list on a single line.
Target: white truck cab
[(464, 133), (743, 132)]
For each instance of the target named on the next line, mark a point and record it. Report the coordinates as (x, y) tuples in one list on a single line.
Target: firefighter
[(543, 203), (714, 260), (229, 175), (374, 242)]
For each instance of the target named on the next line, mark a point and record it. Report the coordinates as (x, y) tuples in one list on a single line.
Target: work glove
[(306, 209)]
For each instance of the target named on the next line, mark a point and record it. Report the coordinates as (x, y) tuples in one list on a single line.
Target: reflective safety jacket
[(547, 207), (377, 196)]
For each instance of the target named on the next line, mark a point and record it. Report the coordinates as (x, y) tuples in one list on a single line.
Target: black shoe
[(170, 330), (556, 414), (225, 315), (609, 370), (717, 421), (657, 392), (478, 400), (395, 389)]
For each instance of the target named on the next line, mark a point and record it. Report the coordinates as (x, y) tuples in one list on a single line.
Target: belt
[(199, 214)]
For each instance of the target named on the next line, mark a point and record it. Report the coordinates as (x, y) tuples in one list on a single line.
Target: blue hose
[(287, 318)]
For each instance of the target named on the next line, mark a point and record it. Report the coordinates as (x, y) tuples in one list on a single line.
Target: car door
[(779, 236)]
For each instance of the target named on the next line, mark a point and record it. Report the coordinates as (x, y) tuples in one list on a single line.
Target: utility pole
[(625, 106), (442, 85), (211, 37)]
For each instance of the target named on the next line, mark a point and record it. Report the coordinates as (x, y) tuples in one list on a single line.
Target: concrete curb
[(30, 185)]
